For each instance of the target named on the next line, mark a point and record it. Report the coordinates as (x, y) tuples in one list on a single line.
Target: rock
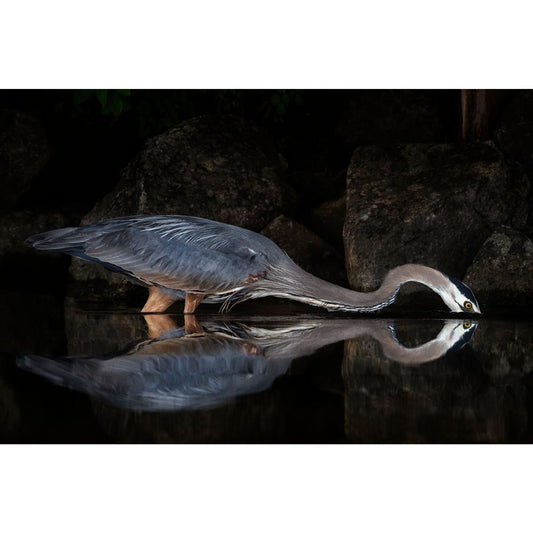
[(20, 261), (502, 271), (214, 167), (307, 249), (398, 116), (328, 220), (429, 204), (23, 154)]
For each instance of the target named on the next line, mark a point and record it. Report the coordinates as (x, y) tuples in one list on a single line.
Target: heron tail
[(57, 240)]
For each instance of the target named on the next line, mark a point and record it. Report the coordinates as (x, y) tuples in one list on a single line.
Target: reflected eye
[(466, 325), (467, 305)]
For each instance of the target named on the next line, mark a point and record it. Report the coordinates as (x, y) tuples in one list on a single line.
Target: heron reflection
[(200, 366)]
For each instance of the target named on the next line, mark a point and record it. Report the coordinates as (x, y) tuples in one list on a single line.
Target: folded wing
[(178, 252)]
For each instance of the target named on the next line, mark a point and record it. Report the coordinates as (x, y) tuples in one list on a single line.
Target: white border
[(279, 44)]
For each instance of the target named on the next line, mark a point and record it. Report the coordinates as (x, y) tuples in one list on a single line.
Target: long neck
[(302, 286)]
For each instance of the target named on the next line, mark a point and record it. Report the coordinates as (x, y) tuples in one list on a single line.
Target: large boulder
[(220, 168), (429, 204), (501, 274), (307, 249), (24, 152)]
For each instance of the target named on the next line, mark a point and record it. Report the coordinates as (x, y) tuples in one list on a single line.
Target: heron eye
[(466, 325), (467, 305)]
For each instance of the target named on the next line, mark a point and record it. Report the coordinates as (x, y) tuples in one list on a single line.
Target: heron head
[(459, 297)]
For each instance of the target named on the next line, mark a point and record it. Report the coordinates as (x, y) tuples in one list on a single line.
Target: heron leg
[(252, 349), (157, 301), (191, 302), (192, 325), (159, 324)]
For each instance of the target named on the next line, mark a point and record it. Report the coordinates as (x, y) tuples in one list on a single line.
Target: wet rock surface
[(307, 249), (502, 271), (220, 168), (24, 152), (429, 204)]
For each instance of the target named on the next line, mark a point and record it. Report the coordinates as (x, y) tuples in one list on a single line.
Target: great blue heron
[(182, 257)]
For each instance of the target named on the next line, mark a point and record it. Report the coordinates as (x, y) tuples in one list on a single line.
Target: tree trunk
[(478, 107)]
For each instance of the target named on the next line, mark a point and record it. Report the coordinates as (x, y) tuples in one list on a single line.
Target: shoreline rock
[(502, 271), (433, 204)]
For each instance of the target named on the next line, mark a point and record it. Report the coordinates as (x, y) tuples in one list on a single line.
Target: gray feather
[(177, 252)]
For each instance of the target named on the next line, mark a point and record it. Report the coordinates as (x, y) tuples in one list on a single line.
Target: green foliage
[(228, 100), (282, 99), (112, 101), (145, 113)]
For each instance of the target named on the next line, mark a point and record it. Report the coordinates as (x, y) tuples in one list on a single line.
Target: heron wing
[(182, 253)]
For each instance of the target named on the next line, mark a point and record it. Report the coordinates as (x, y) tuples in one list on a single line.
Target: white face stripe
[(455, 299), (463, 294)]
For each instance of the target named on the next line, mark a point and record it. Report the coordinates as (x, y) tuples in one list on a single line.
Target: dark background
[(93, 134)]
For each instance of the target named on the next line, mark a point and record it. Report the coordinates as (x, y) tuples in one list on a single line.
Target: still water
[(267, 373)]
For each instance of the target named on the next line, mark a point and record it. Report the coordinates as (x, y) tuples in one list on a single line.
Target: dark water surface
[(267, 373)]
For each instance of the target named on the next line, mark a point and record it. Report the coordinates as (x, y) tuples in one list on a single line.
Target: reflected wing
[(190, 373)]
